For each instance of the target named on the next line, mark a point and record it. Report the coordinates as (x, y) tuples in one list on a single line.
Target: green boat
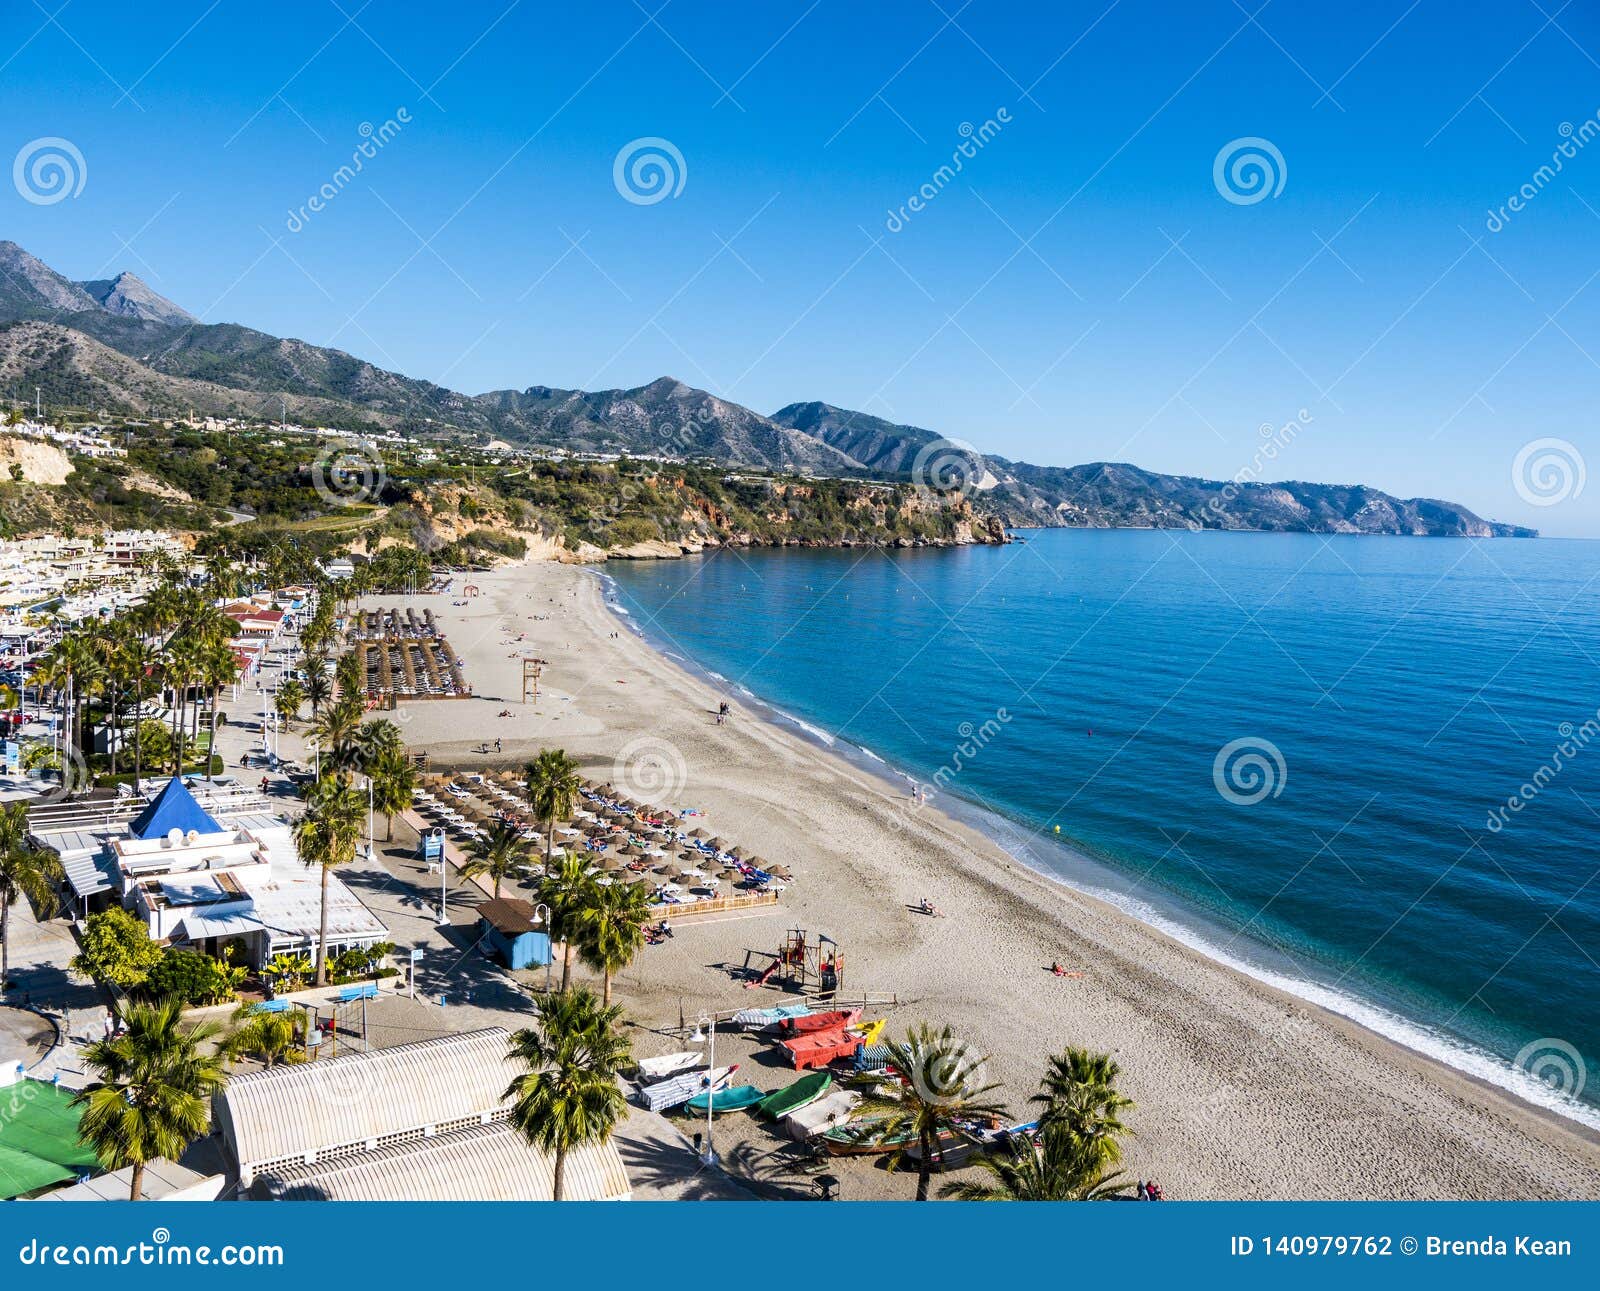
[(726, 1100), (793, 1097)]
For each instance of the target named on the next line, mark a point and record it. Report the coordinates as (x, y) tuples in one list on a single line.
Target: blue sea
[(1358, 768)]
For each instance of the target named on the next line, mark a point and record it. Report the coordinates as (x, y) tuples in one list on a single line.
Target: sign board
[(433, 845), (13, 757)]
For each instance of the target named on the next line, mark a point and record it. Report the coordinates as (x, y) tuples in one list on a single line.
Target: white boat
[(666, 1064), (815, 1118), (680, 1089)]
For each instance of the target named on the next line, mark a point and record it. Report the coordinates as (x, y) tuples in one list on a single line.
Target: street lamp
[(541, 915), (437, 835), (705, 1030)]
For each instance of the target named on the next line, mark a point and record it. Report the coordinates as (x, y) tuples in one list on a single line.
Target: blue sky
[(1079, 291)]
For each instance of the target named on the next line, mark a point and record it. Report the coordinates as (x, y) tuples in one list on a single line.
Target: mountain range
[(116, 346)]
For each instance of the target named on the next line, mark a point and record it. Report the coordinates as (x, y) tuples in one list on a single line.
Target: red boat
[(820, 1048), (813, 1022)]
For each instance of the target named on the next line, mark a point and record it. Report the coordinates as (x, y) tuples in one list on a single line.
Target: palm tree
[(568, 889), (568, 1096), (327, 836), (25, 871), (1079, 1094), (335, 734), (1060, 1167), (552, 788), (612, 929), (272, 1037), (394, 777), (377, 737), (144, 665), (318, 687), (500, 853), (943, 1086), (291, 695), (218, 668), (152, 1089)]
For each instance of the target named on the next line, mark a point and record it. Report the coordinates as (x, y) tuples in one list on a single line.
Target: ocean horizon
[(1356, 770)]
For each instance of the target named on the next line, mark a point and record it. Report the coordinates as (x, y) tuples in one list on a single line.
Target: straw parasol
[(698, 833)]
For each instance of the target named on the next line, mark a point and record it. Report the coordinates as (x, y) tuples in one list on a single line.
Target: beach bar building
[(510, 931), (427, 1121)]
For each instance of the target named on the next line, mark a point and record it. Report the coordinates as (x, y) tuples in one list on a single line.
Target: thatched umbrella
[(729, 875), (698, 833), (719, 844)]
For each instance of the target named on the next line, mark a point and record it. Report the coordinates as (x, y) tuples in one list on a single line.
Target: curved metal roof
[(350, 1103), (483, 1163)]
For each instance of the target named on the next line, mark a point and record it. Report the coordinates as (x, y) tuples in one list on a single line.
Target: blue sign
[(432, 847)]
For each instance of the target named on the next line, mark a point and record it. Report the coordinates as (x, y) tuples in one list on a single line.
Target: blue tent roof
[(174, 808)]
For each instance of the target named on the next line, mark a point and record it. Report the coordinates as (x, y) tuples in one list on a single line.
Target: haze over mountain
[(117, 346)]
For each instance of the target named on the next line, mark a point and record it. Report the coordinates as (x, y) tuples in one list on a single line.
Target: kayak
[(793, 1097), (726, 1100)]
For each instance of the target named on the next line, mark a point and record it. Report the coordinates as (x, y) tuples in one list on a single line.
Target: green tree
[(25, 871), (394, 778), (568, 1095), (115, 949), (500, 854), (568, 889), (1060, 1167), (151, 1090), (271, 1037), (287, 702), (611, 929), (326, 836), (553, 784), (1079, 1095), (943, 1086)]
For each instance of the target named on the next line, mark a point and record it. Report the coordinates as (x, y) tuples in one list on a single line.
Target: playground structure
[(803, 965)]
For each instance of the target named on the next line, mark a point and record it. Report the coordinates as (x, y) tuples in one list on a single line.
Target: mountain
[(128, 296), (665, 418), (28, 286), (117, 347), (1118, 495)]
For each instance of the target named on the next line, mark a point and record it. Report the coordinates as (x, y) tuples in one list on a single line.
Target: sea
[(1363, 769)]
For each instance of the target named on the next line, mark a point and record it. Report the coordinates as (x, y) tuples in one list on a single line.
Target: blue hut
[(510, 932)]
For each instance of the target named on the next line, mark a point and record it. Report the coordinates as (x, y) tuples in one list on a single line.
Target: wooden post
[(530, 678)]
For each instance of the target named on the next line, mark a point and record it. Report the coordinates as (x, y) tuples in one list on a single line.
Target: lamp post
[(705, 1032), (444, 877), (541, 915)]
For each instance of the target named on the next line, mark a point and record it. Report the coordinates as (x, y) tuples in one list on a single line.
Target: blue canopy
[(173, 808)]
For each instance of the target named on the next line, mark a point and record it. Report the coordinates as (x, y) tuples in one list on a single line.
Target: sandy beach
[(1242, 1092)]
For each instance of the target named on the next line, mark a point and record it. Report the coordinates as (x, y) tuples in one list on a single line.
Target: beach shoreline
[(1243, 1089)]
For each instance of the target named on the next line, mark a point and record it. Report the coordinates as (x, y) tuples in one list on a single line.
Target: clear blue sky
[(1036, 307)]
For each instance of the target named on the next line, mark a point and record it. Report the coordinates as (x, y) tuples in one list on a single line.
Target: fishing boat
[(858, 1140), (819, 1048), (793, 1097), (824, 1114), (975, 1141), (680, 1089), (736, 1099), (668, 1064), (760, 1019), (819, 1022)]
